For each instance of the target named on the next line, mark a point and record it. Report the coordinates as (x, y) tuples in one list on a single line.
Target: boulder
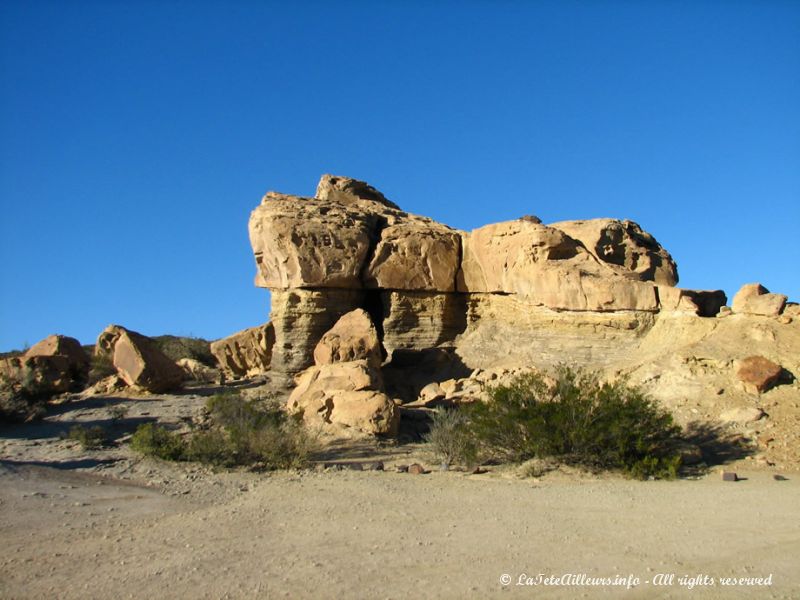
[(61, 345), (353, 337), (755, 299), (415, 254), (344, 396), (246, 353), (758, 374), (39, 376), (702, 303), (626, 244), (138, 360), (346, 190)]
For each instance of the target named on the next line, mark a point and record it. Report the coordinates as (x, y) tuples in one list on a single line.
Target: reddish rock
[(755, 299), (416, 469), (758, 374)]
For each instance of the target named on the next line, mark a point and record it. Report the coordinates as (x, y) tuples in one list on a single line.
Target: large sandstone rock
[(246, 353), (415, 254), (353, 337), (138, 360), (755, 299), (546, 267), (420, 320), (310, 243), (61, 345), (344, 396), (626, 244), (758, 374)]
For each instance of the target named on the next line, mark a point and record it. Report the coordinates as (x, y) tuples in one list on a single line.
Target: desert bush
[(580, 420), (90, 438), (241, 433), (450, 438), (158, 441), (17, 406), (118, 412)]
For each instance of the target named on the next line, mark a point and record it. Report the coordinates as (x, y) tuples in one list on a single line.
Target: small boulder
[(194, 370), (246, 353), (353, 337), (755, 299), (346, 190), (758, 374), (748, 414), (61, 345), (138, 360)]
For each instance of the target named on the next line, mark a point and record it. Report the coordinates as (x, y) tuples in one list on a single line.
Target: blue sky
[(136, 137)]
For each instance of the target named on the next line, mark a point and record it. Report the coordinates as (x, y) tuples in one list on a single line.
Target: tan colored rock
[(61, 345), (702, 303), (194, 370), (346, 190), (353, 337), (626, 244), (421, 320), (301, 318), (748, 414), (138, 360), (755, 299), (38, 375), (344, 396), (246, 353), (758, 374), (546, 267), (415, 254), (310, 243)]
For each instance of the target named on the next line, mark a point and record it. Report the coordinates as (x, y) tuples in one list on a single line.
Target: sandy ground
[(108, 524)]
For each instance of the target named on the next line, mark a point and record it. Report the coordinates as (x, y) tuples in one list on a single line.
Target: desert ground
[(110, 524)]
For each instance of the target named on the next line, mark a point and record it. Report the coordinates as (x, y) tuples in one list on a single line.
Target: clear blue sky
[(136, 137)]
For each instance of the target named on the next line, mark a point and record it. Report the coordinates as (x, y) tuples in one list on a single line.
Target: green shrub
[(176, 347), (118, 412), (241, 433), (450, 438), (158, 441), (578, 419), (90, 438)]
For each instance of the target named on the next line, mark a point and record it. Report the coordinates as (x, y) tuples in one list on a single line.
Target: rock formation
[(447, 304), (246, 353), (138, 361)]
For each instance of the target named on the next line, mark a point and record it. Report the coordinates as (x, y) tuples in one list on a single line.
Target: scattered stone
[(401, 468), (758, 374), (777, 477), (729, 476), (416, 469)]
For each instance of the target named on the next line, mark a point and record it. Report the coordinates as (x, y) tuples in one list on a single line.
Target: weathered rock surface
[(194, 370), (626, 244), (246, 353), (758, 374), (137, 360), (61, 345), (702, 303), (755, 299), (346, 190), (345, 395), (353, 337), (546, 267)]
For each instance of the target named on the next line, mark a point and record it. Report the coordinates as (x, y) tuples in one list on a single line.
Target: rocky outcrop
[(626, 244), (138, 361), (246, 353), (62, 345), (703, 303), (755, 299), (758, 374)]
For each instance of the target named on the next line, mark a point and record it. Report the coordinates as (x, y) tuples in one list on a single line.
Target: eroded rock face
[(626, 244), (347, 396), (702, 303), (247, 353), (755, 299), (353, 337), (138, 361), (61, 345)]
